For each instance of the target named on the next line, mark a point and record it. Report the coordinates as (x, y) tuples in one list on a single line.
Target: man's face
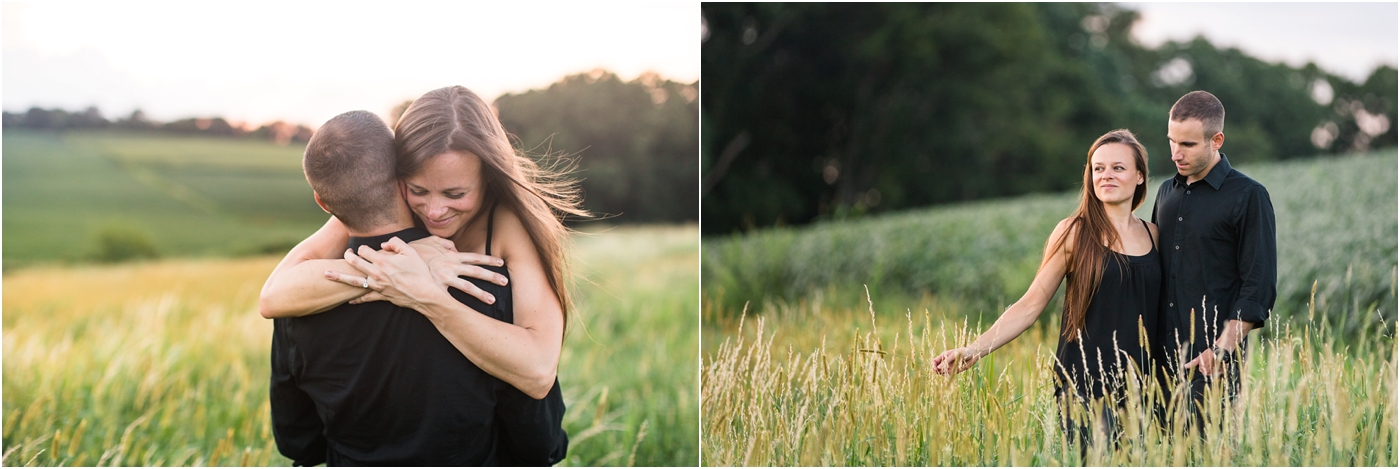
[(1192, 149)]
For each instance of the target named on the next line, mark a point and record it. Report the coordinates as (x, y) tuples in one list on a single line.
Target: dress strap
[(1144, 226), (490, 220)]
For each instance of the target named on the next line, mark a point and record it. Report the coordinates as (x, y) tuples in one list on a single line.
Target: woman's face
[(1115, 174), (446, 192)]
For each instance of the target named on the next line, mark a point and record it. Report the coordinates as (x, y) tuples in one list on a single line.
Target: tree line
[(37, 118), (823, 111), (632, 144)]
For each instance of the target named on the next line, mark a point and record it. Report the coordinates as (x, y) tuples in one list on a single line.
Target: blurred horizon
[(120, 58)]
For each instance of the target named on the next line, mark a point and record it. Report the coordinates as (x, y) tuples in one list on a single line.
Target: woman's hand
[(955, 361), (397, 274), (447, 267)]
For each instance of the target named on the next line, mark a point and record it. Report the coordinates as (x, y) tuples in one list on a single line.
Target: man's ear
[(319, 202), (1217, 141)]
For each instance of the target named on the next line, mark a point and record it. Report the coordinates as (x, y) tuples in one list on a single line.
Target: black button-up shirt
[(1218, 252), (376, 384)]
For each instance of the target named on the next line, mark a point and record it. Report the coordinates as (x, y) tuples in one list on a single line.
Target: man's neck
[(403, 220), (1214, 160), (380, 230)]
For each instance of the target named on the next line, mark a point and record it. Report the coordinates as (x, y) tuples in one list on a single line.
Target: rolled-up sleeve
[(1257, 259)]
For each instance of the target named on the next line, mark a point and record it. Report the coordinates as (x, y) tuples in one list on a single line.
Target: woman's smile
[(446, 192)]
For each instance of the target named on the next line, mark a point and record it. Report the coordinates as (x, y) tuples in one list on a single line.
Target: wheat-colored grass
[(166, 363), (803, 387)]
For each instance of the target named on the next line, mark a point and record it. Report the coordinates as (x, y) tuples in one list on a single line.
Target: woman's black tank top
[(1099, 360)]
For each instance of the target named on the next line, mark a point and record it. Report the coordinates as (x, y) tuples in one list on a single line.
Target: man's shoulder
[(1238, 180)]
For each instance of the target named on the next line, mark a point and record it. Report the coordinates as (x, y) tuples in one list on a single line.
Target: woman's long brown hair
[(456, 119), (1091, 235)]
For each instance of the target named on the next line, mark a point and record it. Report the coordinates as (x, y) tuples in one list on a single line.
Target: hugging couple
[(1170, 301), (422, 325)]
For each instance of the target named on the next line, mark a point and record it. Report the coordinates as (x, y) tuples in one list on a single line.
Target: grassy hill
[(1336, 220), (188, 196)]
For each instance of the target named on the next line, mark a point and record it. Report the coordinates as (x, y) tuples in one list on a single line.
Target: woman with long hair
[(496, 217), (1109, 262)]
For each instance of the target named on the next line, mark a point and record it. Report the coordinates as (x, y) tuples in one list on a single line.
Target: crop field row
[(187, 196)]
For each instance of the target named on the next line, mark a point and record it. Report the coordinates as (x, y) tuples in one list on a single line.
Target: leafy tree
[(634, 142), (822, 111)]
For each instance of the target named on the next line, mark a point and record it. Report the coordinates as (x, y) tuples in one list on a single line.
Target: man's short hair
[(349, 162), (1202, 106)]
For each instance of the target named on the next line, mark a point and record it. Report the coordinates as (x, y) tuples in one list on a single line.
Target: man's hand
[(1209, 362)]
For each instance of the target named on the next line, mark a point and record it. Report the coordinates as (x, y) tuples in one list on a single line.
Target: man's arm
[(296, 426), (1257, 262), (1257, 266)]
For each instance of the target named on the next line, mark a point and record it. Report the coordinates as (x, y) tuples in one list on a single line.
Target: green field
[(190, 196), (166, 363), (801, 366), (1336, 222)]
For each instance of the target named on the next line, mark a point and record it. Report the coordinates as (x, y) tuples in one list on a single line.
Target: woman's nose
[(436, 210)]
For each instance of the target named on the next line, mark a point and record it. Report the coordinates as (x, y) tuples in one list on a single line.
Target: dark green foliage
[(634, 142), (831, 111)]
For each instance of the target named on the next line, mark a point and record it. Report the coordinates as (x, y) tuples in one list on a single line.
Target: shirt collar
[(1215, 178), (408, 236)]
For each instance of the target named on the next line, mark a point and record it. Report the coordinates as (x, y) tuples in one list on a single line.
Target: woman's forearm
[(525, 358), (302, 288), (1009, 326)]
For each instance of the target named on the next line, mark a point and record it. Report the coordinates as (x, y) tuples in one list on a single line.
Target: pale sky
[(305, 63), (1346, 39), (259, 62)]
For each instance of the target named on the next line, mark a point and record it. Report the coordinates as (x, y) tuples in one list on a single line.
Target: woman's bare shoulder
[(510, 236), (1064, 234), (1151, 229)]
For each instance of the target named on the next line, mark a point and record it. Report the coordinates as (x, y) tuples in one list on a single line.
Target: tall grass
[(809, 385), (166, 363)]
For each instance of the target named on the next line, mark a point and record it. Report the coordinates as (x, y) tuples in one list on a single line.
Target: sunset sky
[(260, 62)]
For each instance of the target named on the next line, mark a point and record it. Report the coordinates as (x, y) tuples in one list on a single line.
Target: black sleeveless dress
[(536, 436), (1097, 363)]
